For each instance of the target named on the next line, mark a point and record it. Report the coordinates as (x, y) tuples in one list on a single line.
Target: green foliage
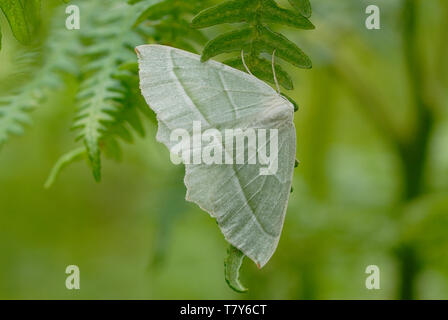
[(55, 59), (64, 161), (109, 104), (303, 6), (232, 265), (22, 16), (101, 95), (13, 114), (108, 97), (257, 38), (106, 109), (166, 22), (347, 207), (262, 69)]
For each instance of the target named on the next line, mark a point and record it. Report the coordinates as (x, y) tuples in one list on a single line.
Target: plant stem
[(413, 153)]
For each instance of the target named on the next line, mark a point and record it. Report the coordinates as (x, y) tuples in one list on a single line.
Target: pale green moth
[(249, 208)]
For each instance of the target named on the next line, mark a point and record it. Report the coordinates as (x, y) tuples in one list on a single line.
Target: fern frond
[(262, 69), (102, 94), (165, 22), (303, 6), (257, 37), (160, 9), (59, 60), (126, 119), (64, 161), (22, 18), (14, 114), (232, 265)]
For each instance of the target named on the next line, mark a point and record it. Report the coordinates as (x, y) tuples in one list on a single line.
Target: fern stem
[(63, 161)]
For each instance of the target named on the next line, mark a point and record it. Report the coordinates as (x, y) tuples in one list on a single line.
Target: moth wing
[(249, 207)]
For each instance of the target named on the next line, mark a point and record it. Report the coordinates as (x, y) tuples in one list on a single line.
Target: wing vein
[(249, 205), (229, 98), (184, 89)]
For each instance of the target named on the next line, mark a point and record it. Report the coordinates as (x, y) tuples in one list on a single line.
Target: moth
[(249, 207)]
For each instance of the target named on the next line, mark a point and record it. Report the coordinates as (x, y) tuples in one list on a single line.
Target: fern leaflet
[(257, 37), (59, 59), (102, 94)]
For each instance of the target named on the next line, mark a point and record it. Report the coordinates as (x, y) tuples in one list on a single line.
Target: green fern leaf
[(125, 120), (163, 22), (228, 12), (172, 26), (303, 6), (262, 40), (262, 69), (102, 94), (296, 107), (232, 265), (22, 17), (247, 11), (228, 42), (268, 41), (272, 13), (14, 114), (160, 9), (15, 14), (32, 12), (14, 108), (257, 37)]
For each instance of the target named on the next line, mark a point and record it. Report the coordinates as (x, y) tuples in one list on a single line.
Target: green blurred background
[(371, 188)]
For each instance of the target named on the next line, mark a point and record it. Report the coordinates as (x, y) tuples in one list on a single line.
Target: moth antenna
[(244, 62), (273, 72)]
